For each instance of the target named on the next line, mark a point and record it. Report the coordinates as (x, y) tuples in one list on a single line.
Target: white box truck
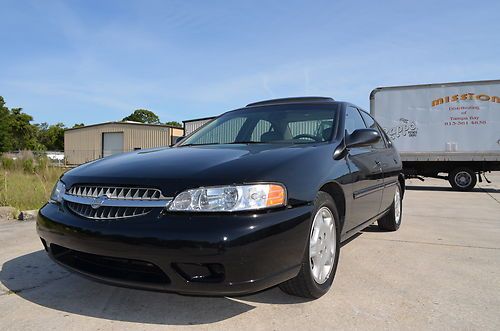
[(449, 131)]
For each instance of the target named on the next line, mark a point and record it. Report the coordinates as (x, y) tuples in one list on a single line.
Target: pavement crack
[(47, 282), (491, 195), (434, 244)]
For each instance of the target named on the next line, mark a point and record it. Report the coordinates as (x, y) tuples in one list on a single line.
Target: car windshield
[(293, 124)]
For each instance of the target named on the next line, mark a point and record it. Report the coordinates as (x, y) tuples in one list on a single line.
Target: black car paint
[(258, 249)]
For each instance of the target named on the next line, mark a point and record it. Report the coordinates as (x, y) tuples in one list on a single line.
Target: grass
[(27, 185)]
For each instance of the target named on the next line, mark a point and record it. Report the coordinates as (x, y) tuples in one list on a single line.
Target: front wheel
[(319, 263), (462, 179)]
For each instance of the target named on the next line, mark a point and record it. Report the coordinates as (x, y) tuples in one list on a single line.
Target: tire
[(462, 179), (312, 281), (392, 220)]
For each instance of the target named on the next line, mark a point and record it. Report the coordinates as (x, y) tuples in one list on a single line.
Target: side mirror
[(362, 137), (179, 139)]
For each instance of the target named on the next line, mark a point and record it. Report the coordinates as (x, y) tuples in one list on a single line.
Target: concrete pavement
[(440, 271)]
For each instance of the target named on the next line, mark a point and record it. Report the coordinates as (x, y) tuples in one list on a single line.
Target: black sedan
[(260, 196)]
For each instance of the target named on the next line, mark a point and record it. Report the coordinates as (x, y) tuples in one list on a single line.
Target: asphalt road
[(440, 271)]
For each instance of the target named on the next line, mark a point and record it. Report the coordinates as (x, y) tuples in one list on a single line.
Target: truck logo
[(404, 128), (465, 97)]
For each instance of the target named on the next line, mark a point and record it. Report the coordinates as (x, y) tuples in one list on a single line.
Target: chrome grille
[(115, 192), (98, 202), (106, 213)]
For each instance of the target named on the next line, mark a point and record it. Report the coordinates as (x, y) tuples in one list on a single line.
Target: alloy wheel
[(397, 205), (322, 245)]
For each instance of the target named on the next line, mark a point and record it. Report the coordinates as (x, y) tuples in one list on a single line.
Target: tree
[(78, 125), (5, 133), (174, 123), (51, 136), (143, 116), (23, 131), (18, 133)]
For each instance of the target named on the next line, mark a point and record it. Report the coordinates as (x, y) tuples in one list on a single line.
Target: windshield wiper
[(231, 143), (187, 145), (245, 142)]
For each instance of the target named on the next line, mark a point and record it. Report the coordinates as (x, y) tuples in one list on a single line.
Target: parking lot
[(441, 270)]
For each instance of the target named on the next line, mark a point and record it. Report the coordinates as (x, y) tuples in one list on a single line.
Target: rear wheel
[(319, 263), (462, 179), (392, 220)]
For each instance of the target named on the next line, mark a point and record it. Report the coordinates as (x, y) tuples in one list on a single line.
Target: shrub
[(26, 181), (42, 165), (7, 163), (27, 190), (25, 154), (28, 166)]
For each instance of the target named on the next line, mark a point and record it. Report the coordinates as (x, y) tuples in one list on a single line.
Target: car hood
[(178, 168)]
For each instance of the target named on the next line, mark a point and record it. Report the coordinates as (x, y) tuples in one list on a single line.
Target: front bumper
[(208, 254)]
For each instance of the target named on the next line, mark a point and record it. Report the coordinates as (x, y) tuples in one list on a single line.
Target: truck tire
[(462, 179), (323, 245), (392, 220)]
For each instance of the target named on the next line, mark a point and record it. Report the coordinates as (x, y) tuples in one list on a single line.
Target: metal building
[(193, 125), (92, 142)]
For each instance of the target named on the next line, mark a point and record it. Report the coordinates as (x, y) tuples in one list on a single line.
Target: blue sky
[(94, 61)]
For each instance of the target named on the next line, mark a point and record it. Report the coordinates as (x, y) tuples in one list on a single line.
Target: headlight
[(58, 192), (230, 198)]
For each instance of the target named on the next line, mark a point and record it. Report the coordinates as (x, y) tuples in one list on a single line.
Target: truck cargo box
[(444, 123)]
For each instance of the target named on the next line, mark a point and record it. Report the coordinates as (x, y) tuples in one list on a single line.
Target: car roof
[(282, 101)]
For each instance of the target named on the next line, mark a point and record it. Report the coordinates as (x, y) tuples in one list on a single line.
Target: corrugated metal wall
[(190, 127), (307, 127), (224, 133), (85, 144)]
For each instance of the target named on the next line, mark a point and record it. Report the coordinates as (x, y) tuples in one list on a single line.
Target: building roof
[(200, 119), (127, 123)]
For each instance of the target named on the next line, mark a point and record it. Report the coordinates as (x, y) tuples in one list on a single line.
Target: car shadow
[(36, 278), (449, 189), (273, 296), (276, 296), (372, 228), (354, 236)]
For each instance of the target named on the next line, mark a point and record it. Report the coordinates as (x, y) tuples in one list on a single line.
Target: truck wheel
[(392, 220), (462, 179), (321, 256)]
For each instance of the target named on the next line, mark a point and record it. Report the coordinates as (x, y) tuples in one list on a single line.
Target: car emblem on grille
[(99, 201)]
